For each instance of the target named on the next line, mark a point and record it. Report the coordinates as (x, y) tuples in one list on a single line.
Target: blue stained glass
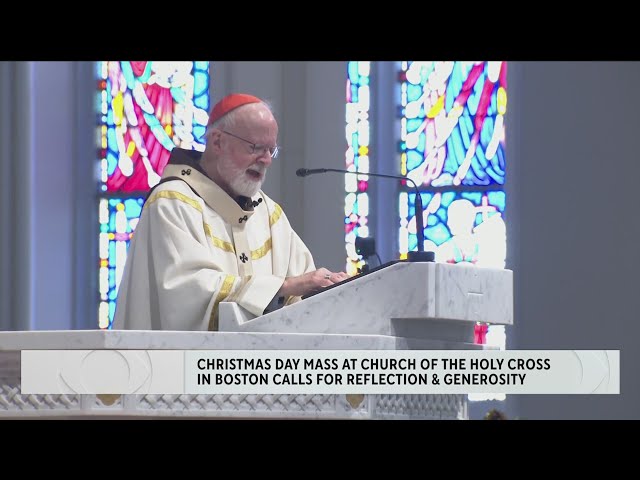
[(201, 65), (447, 198), (200, 83), (441, 215), (497, 199), (199, 131), (202, 102), (364, 80), (110, 122), (450, 164), (352, 70), (413, 124), (112, 162), (133, 208), (497, 162), (104, 228), (466, 118), (481, 159), (491, 109), (112, 278), (111, 134), (413, 242), (438, 234), (477, 170), (178, 94), (472, 104), (464, 133), (487, 131), (458, 150), (127, 73), (495, 176), (158, 131), (107, 91), (98, 107), (112, 250), (454, 86), (474, 98), (437, 229), (422, 143), (473, 197), (414, 159), (354, 94), (146, 75), (112, 311), (414, 92), (425, 71), (112, 291), (472, 179), (426, 198)]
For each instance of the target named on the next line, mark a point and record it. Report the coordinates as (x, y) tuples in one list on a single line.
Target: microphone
[(420, 255), (303, 172)]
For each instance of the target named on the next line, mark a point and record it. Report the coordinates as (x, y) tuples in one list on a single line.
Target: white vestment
[(191, 251)]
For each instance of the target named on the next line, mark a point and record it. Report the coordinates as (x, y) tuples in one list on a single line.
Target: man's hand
[(310, 282)]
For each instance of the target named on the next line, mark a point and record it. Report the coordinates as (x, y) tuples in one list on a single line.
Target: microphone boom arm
[(420, 255)]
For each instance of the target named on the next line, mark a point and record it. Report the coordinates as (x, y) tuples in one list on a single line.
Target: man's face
[(240, 166)]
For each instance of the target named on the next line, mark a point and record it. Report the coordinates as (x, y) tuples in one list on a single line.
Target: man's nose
[(265, 158)]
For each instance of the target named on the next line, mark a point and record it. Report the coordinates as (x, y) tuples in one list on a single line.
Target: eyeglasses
[(256, 148)]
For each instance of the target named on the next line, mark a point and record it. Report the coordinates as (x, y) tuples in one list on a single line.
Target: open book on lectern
[(359, 275), (408, 299)]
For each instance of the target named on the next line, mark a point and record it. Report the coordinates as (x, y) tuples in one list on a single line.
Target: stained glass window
[(452, 123), (144, 110), (452, 144), (356, 204)]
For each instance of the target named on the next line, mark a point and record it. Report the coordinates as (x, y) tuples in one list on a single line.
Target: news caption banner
[(320, 371)]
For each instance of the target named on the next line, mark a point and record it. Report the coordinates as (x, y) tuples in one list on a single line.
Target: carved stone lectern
[(403, 306)]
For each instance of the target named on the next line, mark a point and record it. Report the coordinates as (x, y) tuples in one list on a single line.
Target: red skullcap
[(229, 103)]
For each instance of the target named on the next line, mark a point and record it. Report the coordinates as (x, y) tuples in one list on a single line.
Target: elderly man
[(208, 234)]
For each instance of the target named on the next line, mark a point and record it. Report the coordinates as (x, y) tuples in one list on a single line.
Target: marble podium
[(405, 306)]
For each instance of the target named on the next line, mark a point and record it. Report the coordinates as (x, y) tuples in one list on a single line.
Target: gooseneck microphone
[(420, 255)]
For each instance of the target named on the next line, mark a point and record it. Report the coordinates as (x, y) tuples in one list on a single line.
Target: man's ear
[(215, 139)]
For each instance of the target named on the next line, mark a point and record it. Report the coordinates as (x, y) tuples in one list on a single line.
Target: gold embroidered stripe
[(218, 242), (170, 194), (275, 216), (227, 285), (262, 251)]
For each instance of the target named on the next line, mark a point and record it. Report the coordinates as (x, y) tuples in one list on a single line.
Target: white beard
[(238, 180), (245, 186)]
